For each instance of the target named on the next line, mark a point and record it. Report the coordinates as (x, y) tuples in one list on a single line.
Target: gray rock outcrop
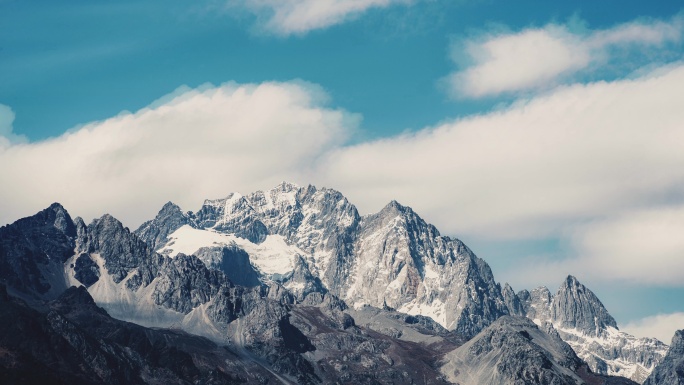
[(583, 322), (513, 350), (671, 369), (576, 307), (169, 219)]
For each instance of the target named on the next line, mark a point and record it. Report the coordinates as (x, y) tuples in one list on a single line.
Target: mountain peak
[(55, 216), (678, 339), (169, 219), (394, 207), (168, 211), (170, 206), (575, 306), (571, 281), (57, 206), (512, 301), (285, 187), (109, 219)]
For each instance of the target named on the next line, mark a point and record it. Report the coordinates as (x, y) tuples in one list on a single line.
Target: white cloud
[(604, 158), (539, 58), (644, 246), (653, 33), (7, 137), (661, 326), (287, 17), (198, 145), (581, 152), (529, 59), (637, 246)]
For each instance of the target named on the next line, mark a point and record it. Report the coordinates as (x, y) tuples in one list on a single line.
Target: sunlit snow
[(272, 256)]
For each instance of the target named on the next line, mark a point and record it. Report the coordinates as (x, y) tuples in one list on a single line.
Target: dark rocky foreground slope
[(73, 341)]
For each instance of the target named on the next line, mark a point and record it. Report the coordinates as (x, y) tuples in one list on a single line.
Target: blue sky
[(534, 131)]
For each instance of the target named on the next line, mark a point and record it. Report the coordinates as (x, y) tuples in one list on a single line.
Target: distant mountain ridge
[(251, 271), (581, 320)]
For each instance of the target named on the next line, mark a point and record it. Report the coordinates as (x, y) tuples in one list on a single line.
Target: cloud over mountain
[(536, 58)]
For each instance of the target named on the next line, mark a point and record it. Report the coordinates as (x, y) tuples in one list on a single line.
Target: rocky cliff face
[(583, 322), (404, 263), (169, 218), (671, 369), (232, 261), (513, 302), (34, 249), (576, 307), (392, 258)]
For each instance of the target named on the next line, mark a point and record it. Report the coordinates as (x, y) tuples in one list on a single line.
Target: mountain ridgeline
[(392, 258), (292, 285)]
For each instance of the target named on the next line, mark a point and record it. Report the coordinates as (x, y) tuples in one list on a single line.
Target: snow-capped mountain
[(583, 322), (392, 258), (263, 335), (268, 272)]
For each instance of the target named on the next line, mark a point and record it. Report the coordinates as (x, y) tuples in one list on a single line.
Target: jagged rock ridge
[(671, 369), (132, 281), (582, 321), (392, 258)]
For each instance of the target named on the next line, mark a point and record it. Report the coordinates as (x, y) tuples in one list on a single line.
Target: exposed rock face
[(302, 282), (583, 322), (33, 250), (86, 270), (392, 258), (321, 223), (671, 369), (576, 307), (232, 261), (537, 303), (121, 250), (184, 283), (403, 262), (169, 218), (233, 215), (354, 354), (514, 351), (512, 301)]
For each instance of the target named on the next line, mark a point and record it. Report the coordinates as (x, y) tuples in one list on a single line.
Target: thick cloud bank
[(538, 58)]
